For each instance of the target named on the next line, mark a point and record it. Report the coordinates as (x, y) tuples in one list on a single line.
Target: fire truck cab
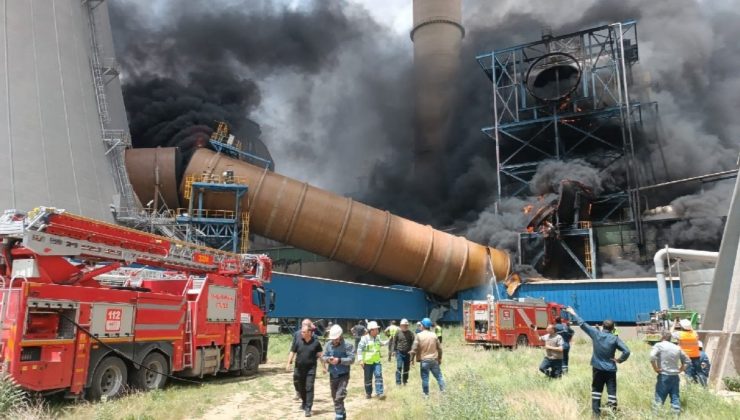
[(508, 323)]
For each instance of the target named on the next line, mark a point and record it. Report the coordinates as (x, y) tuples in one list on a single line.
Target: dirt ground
[(274, 397)]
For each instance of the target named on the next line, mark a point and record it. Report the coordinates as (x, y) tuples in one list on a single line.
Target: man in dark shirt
[(603, 361), (357, 332), (400, 346), (306, 352)]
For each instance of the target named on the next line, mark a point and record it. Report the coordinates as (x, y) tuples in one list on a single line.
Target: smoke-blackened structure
[(331, 88)]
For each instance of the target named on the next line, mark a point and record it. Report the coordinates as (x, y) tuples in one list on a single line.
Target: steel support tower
[(566, 97)]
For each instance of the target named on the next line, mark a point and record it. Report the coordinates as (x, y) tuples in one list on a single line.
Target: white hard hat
[(335, 332), (372, 325), (404, 321), (685, 324)]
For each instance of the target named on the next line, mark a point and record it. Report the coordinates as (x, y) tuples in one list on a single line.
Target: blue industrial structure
[(218, 229), (561, 98), (622, 300), (303, 296)]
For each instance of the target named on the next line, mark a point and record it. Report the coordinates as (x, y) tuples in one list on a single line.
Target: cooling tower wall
[(342, 229), (51, 148)]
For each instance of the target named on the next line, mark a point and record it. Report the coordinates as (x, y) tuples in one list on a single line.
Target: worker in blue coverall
[(603, 361)]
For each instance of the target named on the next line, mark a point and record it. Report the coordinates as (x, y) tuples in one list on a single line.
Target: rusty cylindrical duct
[(342, 229)]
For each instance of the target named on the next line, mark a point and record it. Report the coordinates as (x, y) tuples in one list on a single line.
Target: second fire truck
[(82, 311), (508, 323)]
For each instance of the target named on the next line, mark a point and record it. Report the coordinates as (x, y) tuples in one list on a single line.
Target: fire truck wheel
[(522, 341), (108, 379), (147, 379), (250, 361)]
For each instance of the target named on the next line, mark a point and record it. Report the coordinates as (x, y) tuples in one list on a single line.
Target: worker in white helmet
[(368, 355), (400, 346), (339, 355)]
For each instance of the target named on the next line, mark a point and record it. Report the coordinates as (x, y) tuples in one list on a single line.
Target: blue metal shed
[(313, 297), (595, 300)]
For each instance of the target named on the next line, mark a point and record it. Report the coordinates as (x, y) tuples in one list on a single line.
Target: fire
[(527, 209)]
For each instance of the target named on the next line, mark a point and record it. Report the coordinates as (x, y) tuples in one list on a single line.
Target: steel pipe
[(659, 260), (295, 213)]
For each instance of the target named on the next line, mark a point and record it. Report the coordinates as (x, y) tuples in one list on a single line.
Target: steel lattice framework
[(593, 116)]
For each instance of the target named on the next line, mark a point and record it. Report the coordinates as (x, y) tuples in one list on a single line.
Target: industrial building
[(65, 142)]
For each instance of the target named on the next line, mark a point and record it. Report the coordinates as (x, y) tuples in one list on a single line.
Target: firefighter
[(339, 355), (688, 340), (400, 346), (306, 351), (368, 355), (668, 362), (552, 364), (428, 352), (603, 361), (438, 332), (564, 330)]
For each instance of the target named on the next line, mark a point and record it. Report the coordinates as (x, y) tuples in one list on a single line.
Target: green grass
[(480, 385), (506, 384)]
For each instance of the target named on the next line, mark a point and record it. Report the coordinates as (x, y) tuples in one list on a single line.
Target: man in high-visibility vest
[(438, 332), (368, 355), (688, 340)]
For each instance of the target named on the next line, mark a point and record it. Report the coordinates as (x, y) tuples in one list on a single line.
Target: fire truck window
[(258, 296), (481, 326)]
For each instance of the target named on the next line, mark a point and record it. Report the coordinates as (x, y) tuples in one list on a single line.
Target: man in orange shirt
[(688, 340)]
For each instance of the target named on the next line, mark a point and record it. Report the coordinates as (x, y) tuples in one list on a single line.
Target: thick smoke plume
[(325, 82), (330, 87)]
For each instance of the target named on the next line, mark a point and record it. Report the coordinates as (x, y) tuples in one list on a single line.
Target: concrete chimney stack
[(437, 34)]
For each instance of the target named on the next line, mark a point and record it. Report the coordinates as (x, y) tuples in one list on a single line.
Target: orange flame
[(527, 209)]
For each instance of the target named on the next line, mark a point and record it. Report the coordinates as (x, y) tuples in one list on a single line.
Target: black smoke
[(331, 88)]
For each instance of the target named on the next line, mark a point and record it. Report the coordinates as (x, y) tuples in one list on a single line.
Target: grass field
[(481, 385)]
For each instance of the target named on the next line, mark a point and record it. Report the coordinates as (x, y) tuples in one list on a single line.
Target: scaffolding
[(562, 98), (226, 229)]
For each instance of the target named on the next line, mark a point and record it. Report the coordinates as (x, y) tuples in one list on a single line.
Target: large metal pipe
[(659, 260), (342, 229)]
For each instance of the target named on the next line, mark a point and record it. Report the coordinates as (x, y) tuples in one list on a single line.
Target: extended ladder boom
[(53, 232)]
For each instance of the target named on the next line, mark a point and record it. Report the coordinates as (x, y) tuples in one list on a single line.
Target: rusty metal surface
[(145, 166), (345, 230)]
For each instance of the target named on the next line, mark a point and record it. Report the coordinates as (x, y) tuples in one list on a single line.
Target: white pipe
[(687, 254)]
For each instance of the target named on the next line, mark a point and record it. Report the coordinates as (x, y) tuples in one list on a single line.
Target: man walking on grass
[(339, 355), (552, 364), (603, 361), (668, 362), (306, 352), (427, 350), (368, 355)]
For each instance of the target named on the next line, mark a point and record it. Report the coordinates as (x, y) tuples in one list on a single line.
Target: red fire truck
[(507, 323), (83, 311)]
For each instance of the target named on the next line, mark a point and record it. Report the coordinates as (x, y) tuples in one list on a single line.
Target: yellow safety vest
[(371, 352), (438, 331), (392, 330)]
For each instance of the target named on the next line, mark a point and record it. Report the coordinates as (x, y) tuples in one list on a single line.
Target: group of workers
[(668, 360), (423, 346)]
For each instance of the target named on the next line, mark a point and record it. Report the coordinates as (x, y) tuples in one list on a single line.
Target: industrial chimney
[(437, 34)]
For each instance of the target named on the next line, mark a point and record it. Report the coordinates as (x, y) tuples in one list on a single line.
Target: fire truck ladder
[(54, 232), (187, 351)]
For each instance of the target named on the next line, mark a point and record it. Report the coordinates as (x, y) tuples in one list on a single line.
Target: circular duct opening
[(553, 76)]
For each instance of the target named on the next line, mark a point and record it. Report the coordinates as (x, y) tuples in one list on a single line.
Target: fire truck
[(508, 323), (90, 308)]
